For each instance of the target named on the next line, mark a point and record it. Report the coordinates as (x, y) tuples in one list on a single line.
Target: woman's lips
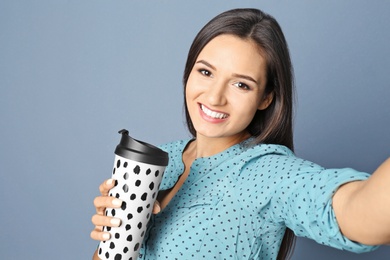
[(213, 114)]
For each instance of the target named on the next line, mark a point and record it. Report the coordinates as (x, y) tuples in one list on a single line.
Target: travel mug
[(138, 169)]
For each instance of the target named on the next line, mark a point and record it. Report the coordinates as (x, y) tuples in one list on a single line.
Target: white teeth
[(213, 114)]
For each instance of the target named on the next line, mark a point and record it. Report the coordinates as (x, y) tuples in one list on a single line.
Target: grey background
[(73, 73)]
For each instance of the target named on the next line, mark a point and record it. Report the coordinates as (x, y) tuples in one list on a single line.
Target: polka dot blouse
[(238, 203)]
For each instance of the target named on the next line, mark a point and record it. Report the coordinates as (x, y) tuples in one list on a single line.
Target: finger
[(99, 220), (103, 202), (106, 186), (156, 207), (96, 234)]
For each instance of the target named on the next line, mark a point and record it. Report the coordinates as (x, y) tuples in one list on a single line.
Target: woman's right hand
[(101, 203)]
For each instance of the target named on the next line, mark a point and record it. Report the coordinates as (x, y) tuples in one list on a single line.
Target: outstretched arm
[(362, 208)]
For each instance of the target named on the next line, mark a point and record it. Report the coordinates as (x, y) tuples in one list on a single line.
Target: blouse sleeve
[(303, 201)]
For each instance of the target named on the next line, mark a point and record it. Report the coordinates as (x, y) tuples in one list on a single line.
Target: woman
[(236, 190)]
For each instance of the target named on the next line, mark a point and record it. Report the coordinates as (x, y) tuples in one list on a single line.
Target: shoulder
[(258, 153)]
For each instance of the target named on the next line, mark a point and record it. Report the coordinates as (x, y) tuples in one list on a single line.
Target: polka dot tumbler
[(138, 169)]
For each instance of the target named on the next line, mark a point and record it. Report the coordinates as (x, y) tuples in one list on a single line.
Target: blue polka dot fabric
[(238, 203)]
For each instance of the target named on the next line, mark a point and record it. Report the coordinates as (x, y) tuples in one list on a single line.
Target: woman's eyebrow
[(206, 64), (234, 74), (244, 77)]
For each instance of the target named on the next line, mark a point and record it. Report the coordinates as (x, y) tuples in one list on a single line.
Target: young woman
[(236, 190)]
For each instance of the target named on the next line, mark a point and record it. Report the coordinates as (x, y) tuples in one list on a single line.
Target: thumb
[(156, 207)]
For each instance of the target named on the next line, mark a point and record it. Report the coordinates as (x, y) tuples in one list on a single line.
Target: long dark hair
[(274, 124)]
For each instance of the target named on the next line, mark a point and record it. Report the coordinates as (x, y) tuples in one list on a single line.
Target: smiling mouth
[(213, 114)]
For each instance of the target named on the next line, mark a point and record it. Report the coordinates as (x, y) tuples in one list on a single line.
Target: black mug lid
[(135, 150)]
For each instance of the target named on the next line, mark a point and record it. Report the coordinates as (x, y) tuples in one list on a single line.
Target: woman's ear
[(267, 100)]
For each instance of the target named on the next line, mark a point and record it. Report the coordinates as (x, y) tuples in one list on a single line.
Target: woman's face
[(226, 87)]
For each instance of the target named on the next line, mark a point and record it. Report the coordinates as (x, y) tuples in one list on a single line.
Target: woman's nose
[(216, 94)]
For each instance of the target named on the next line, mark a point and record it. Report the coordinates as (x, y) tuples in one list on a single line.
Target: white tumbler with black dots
[(138, 169)]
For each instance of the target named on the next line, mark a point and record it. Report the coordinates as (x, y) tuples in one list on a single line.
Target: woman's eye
[(205, 72), (242, 86)]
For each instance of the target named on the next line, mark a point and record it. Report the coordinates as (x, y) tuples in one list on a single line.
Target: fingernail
[(109, 182), (115, 222), (106, 236), (116, 202)]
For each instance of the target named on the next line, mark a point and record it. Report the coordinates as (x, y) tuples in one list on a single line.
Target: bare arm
[(362, 208)]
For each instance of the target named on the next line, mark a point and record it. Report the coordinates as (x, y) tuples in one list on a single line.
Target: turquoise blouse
[(238, 203)]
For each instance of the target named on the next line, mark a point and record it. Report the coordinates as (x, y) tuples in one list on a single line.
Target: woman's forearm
[(362, 208)]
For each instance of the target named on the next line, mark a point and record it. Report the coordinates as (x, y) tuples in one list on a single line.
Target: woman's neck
[(204, 146)]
